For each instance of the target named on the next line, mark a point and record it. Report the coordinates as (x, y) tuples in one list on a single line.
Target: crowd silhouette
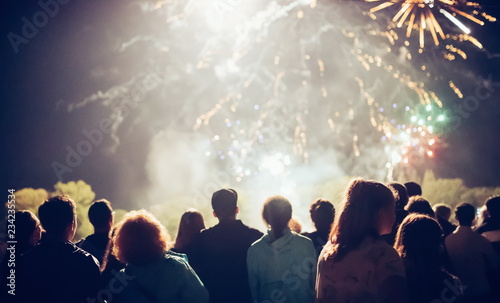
[(386, 243)]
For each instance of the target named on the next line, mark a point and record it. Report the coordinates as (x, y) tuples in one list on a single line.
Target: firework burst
[(423, 15)]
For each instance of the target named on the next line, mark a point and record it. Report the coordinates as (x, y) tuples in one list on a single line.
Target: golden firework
[(420, 15)]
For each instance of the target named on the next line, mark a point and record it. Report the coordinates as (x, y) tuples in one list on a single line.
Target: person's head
[(442, 211), (58, 217), (419, 205), (493, 207), (465, 214), (101, 215), (28, 230), (322, 214), (419, 241), (191, 224), (368, 210), (140, 238), (277, 212), (295, 225), (402, 197), (413, 189), (224, 204)]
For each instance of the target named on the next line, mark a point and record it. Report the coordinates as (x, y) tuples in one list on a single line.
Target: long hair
[(139, 238), (419, 242), (191, 225), (358, 218)]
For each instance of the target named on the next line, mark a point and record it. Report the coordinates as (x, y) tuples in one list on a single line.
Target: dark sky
[(52, 67)]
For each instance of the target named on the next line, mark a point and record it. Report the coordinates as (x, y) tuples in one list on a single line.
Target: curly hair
[(140, 238)]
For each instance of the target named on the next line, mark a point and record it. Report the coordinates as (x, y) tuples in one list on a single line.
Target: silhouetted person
[(151, 274), (357, 265), (26, 232), (401, 213), (282, 263), (101, 217), (419, 205), (491, 226), (190, 226), (110, 265), (56, 270), (491, 230), (413, 189), (443, 214), (322, 214), (471, 255), (420, 243), (220, 252)]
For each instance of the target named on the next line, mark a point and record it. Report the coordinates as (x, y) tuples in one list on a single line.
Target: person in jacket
[(151, 273), (282, 264), (419, 242), (322, 214), (219, 253), (101, 217), (357, 265), (56, 270), (472, 256)]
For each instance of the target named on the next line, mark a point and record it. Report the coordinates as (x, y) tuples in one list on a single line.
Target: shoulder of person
[(83, 255)]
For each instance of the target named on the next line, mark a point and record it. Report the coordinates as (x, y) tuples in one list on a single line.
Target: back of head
[(442, 211), (493, 207), (101, 214), (419, 205), (277, 212), (191, 224), (295, 225), (418, 233), (358, 219), (419, 243), (465, 214), (224, 202), (57, 214), (413, 188), (140, 238), (322, 214), (402, 198), (26, 225)]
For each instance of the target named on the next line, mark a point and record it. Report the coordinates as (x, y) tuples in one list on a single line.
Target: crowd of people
[(387, 244)]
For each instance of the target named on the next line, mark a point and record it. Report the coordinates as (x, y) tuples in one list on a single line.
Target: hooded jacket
[(282, 269)]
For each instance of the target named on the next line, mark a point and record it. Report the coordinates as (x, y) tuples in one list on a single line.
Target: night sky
[(54, 68)]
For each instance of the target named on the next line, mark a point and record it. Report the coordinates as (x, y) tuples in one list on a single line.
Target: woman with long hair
[(357, 265), (419, 242), (152, 274), (191, 225)]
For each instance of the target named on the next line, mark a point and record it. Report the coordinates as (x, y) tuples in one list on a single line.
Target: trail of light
[(455, 21)]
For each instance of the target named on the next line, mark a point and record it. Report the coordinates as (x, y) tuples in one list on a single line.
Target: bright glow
[(455, 21)]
